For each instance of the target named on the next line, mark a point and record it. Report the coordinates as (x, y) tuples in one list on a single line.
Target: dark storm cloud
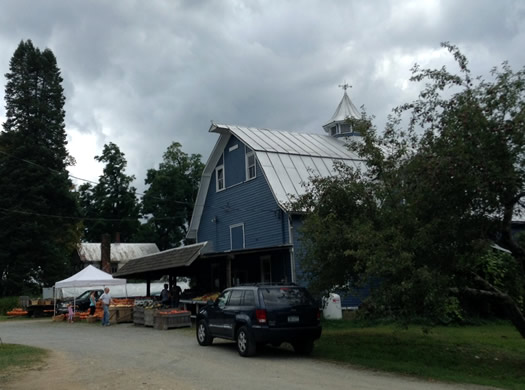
[(145, 73)]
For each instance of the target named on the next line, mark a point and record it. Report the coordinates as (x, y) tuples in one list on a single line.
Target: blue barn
[(242, 210), (244, 229)]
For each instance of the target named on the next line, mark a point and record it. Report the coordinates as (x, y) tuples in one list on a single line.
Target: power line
[(226, 208), (32, 213), (140, 194)]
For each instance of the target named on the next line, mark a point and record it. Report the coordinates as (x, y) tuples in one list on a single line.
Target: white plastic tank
[(332, 307)]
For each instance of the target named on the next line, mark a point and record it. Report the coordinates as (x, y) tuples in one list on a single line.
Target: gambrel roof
[(287, 159)]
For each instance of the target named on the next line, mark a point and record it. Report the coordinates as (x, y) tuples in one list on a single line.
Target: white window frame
[(243, 235), (220, 167), (250, 153)]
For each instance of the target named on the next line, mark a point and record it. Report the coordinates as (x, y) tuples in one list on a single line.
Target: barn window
[(250, 164), (219, 173)]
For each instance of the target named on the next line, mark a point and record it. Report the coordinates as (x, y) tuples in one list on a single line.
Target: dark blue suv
[(261, 314)]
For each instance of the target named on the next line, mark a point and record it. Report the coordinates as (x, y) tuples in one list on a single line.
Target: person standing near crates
[(106, 301), (165, 296)]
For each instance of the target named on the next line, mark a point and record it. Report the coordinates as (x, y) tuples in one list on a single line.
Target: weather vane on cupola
[(345, 86), (339, 125)]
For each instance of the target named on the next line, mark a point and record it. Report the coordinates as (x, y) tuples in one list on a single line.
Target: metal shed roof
[(168, 259), (119, 251)]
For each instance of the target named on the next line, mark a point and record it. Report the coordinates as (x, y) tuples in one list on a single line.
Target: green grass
[(18, 356), (492, 355)]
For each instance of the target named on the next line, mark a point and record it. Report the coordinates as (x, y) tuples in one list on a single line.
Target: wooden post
[(229, 271)]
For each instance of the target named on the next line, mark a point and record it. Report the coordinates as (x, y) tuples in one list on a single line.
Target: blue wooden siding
[(354, 300), (250, 202), (234, 162), (237, 237)]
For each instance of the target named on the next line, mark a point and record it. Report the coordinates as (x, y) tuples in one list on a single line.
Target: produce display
[(207, 297), (59, 317), (17, 312), (171, 311), (152, 305), (142, 302), (122, 302)]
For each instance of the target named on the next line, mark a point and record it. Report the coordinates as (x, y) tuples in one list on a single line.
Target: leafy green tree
[(110, 206), (440, 187), (38, 229), (170, 197)]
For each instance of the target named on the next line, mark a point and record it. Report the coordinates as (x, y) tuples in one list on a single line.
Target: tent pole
[(54, 301)]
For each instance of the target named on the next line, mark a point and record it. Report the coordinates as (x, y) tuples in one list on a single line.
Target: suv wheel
[(303, 347), (203, 333), (245, 343)]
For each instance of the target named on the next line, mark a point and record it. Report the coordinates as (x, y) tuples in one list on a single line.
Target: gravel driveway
[(88, 356)]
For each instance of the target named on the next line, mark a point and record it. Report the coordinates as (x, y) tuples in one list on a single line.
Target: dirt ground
[(61, 373), (88, 356)]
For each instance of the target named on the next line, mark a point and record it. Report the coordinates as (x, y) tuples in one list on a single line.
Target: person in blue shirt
[(92, 303)]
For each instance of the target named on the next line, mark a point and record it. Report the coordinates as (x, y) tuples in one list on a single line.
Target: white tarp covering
[(131, 289), (90, 277)]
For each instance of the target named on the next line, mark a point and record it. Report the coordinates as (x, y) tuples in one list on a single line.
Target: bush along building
[(244, 229)]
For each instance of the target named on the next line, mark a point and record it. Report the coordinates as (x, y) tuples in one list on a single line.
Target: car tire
[(245, 342), (303, 347), (203, 334)]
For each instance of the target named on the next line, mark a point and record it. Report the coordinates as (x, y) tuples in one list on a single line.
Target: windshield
[(86, 294), (286, 296)]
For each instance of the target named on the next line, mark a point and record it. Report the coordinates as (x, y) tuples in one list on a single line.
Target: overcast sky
[(143, 74)]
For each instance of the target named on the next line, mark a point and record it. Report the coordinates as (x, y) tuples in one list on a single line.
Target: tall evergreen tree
[(110, 206), (169, 199), (38, 229)]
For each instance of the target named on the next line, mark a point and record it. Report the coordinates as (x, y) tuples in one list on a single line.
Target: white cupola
[(338, 125)]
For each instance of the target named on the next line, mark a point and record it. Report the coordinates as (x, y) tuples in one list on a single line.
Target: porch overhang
[(162, 262)]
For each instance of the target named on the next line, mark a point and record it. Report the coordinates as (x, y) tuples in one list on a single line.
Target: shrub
[(7, 304)]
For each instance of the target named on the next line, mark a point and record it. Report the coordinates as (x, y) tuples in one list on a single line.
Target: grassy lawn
[(19, 356), (492, 355)]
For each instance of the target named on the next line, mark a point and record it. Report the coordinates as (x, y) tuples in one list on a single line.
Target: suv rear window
[(286, 296)]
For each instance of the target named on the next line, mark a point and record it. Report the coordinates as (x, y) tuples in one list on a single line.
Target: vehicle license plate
[(293, 318)]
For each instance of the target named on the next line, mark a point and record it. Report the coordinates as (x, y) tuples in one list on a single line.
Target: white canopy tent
[(88, 277)]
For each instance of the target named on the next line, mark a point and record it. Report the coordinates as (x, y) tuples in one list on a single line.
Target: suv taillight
[(260, 315), (318, 315)]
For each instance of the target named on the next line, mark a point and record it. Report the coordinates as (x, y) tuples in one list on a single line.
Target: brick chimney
[(105, 254)]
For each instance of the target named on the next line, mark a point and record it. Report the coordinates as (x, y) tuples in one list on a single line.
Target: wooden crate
[(113, 315), (170, 321), (125, 314), (138, 315), (92, 319), (149, 317)]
